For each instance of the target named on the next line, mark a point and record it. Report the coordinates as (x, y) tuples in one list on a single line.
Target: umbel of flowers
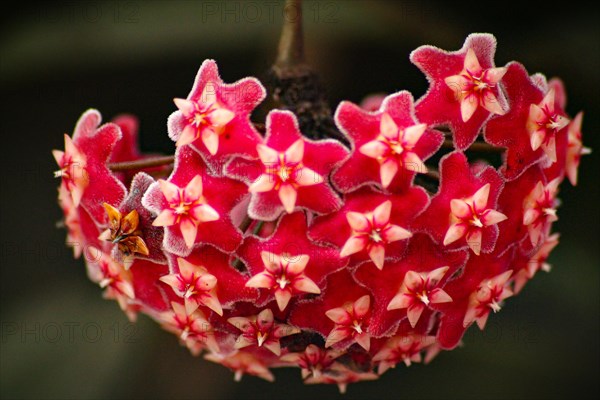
[(273, 250)]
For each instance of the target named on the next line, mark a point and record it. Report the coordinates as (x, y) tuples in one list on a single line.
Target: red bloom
[(287, 264), (284, 251), (371, 225), (291, 172), (463, 212), (463, 90), (215, 117), (261, 330), (191, 207), (389, 145), (83, 165)]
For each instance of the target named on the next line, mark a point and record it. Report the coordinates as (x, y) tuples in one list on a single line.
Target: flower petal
[(414, 313), (388, 127), (381, 214), (353, 245), (388, 171), (264, 183), (282, 297), (480, 198), (455, 232), (361, 306), (492, 217), (267, 155), (377, 255), (399, 301), (394, 233), (468, 105), (169, 190), (261, 280), (288, 196), (373, 149), (188, 231), (295, 153), (166, 218), (204, 213), (412, 134), (474, 240)]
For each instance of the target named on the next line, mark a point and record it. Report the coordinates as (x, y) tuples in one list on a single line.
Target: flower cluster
[(274, 250)]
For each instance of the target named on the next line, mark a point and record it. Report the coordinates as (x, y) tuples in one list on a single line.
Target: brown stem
[(480, 147), (290, 52), (141, 164)]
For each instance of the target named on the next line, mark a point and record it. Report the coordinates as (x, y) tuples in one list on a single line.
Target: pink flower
[(116, 281), (83, 165), (539, 209), (402, 348), (536, 263), (241, 363), (488, 297), (290, 172), (287, 264), (341, 376), (389, 144), (463, 212), (261, 330), (474, 87), (418, 291), (191, 207), (543, 123), (313, 361), (464, 87), (284, 276), (575, 148), (215, 117), (335, 229), (372, 231), (193, 329), (72, 165), (75, 237), (195, 285), (515, 130), (350, 323), (205, 119), (284, 173), (187, 208), (470, 216)]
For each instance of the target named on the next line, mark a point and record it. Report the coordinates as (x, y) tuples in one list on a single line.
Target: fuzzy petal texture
[(238, 137), (441, 105), (459, 181), (364, 127), (313, 194), (220, 233)]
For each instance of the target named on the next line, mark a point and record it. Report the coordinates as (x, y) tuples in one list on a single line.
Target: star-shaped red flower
[(220, 193), (464, 211), (290, 246), (341, 292), (511, 130), (478, 270), (83, 165), (292, 171), (422, 256), (464, 87), (206, 264), (215, 117), (386, 239), (389, 146)]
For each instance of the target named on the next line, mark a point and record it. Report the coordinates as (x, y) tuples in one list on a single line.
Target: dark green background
[(133, 56)]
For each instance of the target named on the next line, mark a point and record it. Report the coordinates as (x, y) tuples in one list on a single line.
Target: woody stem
[(141, 164)]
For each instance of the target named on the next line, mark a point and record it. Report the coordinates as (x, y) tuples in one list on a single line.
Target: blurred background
[(59, 338)]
